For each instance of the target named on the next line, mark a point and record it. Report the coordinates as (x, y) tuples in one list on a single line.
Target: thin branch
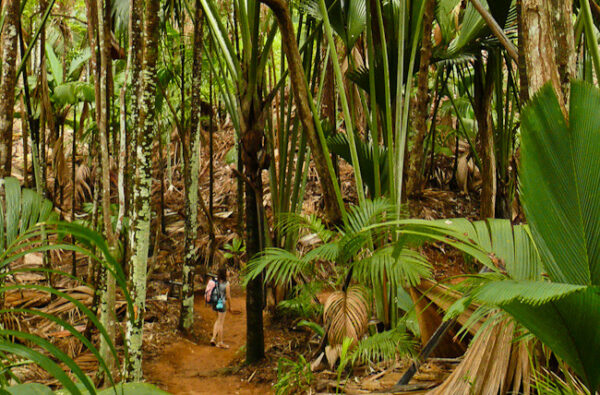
[(496, 30)]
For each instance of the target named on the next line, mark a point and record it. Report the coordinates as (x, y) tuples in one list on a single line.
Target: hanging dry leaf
[(347, 314)]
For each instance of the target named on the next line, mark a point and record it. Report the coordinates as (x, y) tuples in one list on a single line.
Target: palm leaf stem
[(346, 110), (592, 42)]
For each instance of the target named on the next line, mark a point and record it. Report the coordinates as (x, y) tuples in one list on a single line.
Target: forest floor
[(190, 365)]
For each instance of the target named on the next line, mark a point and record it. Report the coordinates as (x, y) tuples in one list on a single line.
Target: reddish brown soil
[(193, 366)]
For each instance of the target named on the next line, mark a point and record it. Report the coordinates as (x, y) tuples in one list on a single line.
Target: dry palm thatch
[(494, 363)]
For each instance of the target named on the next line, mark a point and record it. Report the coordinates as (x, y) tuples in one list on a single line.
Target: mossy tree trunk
[(106, 280), (191, 174), (142, 190)]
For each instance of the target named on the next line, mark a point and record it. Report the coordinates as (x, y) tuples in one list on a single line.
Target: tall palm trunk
[(484, 89), (142, 190), (191, 174), (7, 84), (107, 281), (251, 145)]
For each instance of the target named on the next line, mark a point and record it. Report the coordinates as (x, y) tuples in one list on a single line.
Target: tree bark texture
[(191, 174), (252, 127), (415, 180), (548, 45), (252, 144), (107, 280), (142, 190), (298, 81), (8, 80), (484, 89)]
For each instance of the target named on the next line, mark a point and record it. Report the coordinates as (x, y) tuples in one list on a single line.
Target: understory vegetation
[(408, 188)]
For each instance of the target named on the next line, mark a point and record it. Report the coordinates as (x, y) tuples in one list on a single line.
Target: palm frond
[(534, 293), (277, 264), (566, 226), (293, 223), (339, 145), (369, 213), (386, 346), (404, 270)]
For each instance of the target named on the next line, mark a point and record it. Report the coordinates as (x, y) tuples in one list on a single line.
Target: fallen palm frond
[(493, 363)]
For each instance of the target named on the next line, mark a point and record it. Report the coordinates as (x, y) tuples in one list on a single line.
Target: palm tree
[(545, 276)]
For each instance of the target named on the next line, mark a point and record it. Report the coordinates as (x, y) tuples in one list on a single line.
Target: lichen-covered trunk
[(484, 89), (142, 191), (191, 174), (548, 45), (415, 178), (7, 84), (107, 281), (136, 53)]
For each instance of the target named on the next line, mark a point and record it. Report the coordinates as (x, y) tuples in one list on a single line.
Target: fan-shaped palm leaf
[(346, 314)]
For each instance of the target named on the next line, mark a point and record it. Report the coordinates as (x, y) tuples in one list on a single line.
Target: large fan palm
[(560, 183)]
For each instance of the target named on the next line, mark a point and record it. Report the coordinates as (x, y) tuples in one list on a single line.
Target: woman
[(225, 292)]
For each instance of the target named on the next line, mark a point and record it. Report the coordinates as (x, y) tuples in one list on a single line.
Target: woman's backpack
[(211, 287), (212, 294)]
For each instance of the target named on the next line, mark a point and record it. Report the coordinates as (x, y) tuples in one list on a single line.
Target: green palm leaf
[(569, 326), (560, 183)]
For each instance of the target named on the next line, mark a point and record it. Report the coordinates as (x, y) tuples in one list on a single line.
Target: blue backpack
[(216, 299)]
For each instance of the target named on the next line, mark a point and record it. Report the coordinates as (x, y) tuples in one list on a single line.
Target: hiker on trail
[(224, 293)]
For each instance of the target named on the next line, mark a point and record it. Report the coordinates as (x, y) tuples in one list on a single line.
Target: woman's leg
[(215, 329), (221, 321)]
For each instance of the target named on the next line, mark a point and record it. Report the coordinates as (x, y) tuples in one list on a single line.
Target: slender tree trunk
[(136, 54), (191, 174), (107, 280), (8, 80), (415, 180), (484, 89), (142, 191)]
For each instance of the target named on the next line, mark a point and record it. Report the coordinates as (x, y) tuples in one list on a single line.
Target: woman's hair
[(222, 274)]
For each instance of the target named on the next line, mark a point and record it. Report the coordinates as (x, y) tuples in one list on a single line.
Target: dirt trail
[(195, 367)]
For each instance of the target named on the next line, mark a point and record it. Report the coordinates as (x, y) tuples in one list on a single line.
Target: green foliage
[(235, 249), (293, 377), (345, 359), (120, 389), (26, 225), (384, 346), (348, 19), (559, 184), (302, 305), (318, 329)]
